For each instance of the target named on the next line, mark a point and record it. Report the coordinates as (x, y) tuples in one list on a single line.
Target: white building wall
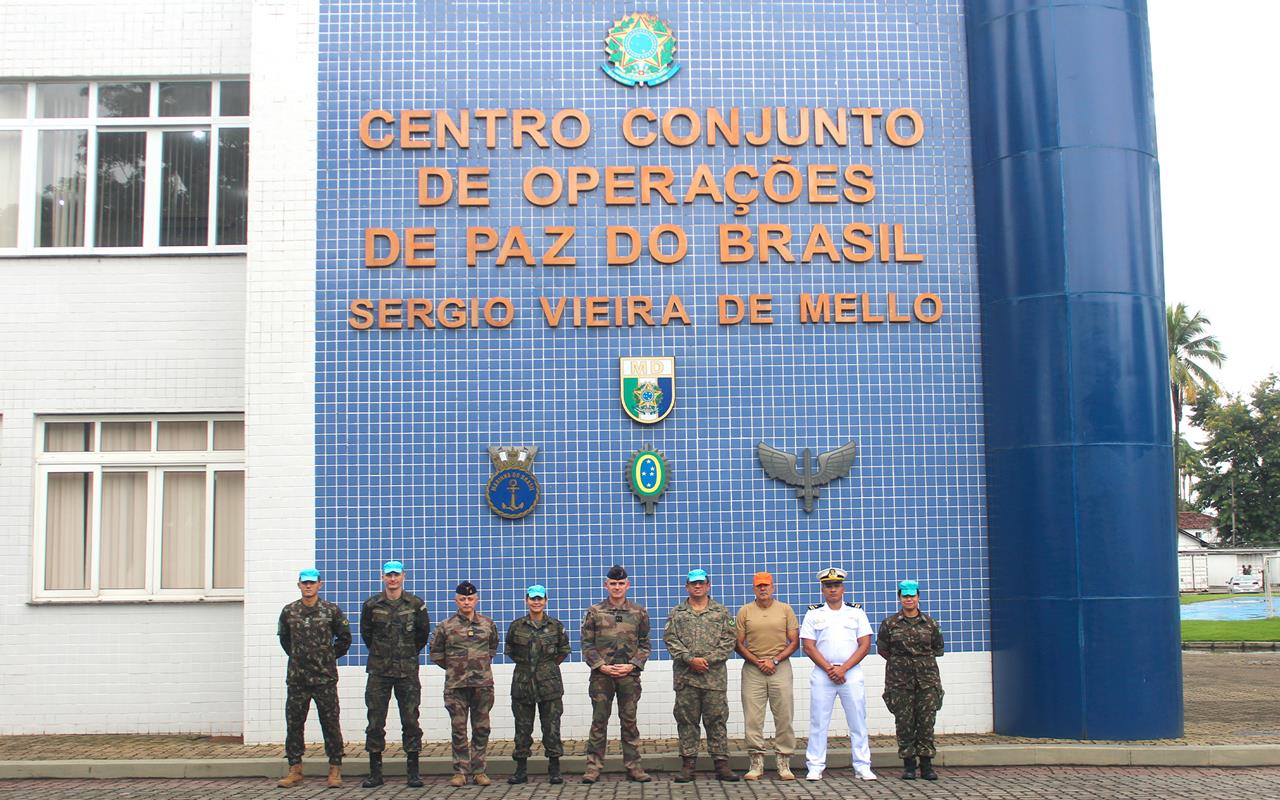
[(102, 335)]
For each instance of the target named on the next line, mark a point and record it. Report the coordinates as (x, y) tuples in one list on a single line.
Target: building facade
[(298, 274)]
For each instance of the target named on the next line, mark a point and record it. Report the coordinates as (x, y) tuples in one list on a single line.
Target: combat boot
[(521, 774), (757, 767), (458, 779), (784, 768), (592, 773), (412, 778), (292, 779), (687, 764), (723, 773), (334, 781), (375, 771), (553, 770), (926, 769), (909, 768), (637, 774), (480, 779)]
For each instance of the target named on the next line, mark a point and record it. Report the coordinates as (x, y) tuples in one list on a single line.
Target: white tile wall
[(95, 336), (100, 335), (99, 38)]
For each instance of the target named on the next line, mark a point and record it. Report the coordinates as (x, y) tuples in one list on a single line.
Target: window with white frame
[(139, 508), (123, 166)]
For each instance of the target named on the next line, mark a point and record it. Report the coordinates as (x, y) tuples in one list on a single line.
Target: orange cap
[(762, 577)]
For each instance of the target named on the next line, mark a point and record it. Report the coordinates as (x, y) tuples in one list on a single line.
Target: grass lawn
[(1200, 598), (1249, 630)]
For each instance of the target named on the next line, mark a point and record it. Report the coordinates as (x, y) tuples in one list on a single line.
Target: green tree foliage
[(1190, 348), (1240, 468)]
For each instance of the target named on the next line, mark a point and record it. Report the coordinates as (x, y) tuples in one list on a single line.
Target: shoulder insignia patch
[(854, 605), (817, 605)]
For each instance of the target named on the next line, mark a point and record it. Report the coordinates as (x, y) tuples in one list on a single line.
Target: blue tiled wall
[(403, 418)]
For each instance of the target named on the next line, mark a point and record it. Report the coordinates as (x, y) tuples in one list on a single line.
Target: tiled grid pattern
[(403, 417)]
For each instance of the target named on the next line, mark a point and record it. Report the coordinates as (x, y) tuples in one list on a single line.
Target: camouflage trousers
[(549, 711), (298, 705), (914, 710), (475, 701), (603, 689), (711, 708), (377, 696)]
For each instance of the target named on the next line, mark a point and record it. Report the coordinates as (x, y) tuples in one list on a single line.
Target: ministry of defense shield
[(648, 387)]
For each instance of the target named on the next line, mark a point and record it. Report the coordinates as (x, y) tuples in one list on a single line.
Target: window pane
[(13, 100), (124, 100), (182, 531), (228, 435), (123, 562), (62, 100), (60, 210), (184, 213), (183, 436), (235, 99), (228, 530), (185, 99), (10, 152), (126, 437), (67, 524), (121, 179), (68, 437), (233, 186)]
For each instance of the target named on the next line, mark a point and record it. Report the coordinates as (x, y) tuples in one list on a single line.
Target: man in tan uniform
[(768, 633)]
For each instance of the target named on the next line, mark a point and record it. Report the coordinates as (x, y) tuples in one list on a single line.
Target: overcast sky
[(1216, 68)]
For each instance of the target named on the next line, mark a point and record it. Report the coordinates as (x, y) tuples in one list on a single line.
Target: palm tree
[(1189, 345)]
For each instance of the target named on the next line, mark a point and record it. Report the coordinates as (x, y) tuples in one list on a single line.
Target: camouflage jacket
[(537, 650), (709, 634), (394, 632), (615, 635), (465, 648), (315, 638), (911, 645)]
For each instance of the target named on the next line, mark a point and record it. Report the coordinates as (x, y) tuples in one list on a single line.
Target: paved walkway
[(1232, 718), (1036, 783)]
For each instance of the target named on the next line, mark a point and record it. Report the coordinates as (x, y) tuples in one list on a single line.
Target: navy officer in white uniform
[(836, 637)]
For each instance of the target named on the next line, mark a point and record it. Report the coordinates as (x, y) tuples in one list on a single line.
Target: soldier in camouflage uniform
[(911, 642), (464, 645), (315, 634), (393, 625), (537, 644), (615, 645), (700, 636)]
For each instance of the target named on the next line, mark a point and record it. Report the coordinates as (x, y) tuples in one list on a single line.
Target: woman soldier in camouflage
[(911, 642)]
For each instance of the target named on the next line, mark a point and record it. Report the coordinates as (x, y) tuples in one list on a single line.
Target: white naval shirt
[(835, 633)]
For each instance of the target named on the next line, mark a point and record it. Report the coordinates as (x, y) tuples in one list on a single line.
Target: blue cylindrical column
[(1085, 632)]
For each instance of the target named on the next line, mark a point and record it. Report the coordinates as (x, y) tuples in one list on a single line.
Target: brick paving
[(988, 783), (1230, 699)]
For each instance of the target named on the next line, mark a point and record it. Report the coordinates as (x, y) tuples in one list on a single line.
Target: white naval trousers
[(822, 699)]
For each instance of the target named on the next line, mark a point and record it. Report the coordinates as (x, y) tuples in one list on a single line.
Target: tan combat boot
[(458, 779), (293, 778), (784, 768), (592, 773), (334, 781), (757, 768), (480, 779)]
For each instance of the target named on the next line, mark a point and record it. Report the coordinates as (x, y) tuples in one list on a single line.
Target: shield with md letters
[(648, 387)]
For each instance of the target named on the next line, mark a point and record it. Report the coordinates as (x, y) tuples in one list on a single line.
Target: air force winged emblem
[(831, 465)]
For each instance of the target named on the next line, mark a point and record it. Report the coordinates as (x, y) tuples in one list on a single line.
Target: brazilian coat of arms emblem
[(641, 50), (648, 387)]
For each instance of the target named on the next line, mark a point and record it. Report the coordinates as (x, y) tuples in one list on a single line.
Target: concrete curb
[(1236, 646), (1012, 755)]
